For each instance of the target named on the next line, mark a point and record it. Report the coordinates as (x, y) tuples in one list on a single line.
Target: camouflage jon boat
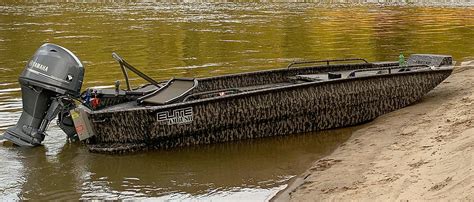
[(305, 96)]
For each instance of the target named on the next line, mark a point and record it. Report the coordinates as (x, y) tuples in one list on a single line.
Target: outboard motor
[(49, 83)]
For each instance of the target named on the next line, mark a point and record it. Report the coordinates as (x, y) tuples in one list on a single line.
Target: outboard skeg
[(50, 80)]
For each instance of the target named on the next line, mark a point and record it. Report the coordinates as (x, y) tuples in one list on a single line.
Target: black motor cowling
[(49, 82)]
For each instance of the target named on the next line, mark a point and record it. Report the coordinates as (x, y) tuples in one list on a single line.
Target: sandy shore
[(421, 152)]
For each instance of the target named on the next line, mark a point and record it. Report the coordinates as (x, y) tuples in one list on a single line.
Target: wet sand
[(421, 152)]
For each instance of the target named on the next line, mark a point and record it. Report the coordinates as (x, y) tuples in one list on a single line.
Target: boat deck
[(292, 80)]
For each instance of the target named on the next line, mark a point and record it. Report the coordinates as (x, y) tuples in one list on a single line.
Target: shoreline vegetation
[(421, 152)]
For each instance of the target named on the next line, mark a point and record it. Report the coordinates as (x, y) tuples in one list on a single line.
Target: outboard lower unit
[(49, 83)]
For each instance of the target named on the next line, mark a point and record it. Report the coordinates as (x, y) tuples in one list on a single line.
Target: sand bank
[(422, 152)]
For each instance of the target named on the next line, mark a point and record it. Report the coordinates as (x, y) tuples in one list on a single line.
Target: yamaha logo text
[(38, 66), (177, 116)]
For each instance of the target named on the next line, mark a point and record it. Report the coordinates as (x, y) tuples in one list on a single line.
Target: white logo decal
[(39, 66), (177, 116)]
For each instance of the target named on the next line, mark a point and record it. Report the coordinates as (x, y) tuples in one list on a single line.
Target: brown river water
[(195, 39)]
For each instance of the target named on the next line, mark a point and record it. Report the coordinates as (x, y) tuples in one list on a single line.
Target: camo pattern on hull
[(279, 111)]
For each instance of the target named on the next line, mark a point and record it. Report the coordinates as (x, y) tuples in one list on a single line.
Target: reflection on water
[(194, 40), (247, 169)]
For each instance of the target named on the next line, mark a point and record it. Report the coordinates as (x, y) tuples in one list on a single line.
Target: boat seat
[(175, 90)]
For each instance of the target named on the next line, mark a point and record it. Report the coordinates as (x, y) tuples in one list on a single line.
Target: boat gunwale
[(266, 90)]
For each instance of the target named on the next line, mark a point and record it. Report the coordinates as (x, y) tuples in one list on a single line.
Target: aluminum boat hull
[(280, 110)]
